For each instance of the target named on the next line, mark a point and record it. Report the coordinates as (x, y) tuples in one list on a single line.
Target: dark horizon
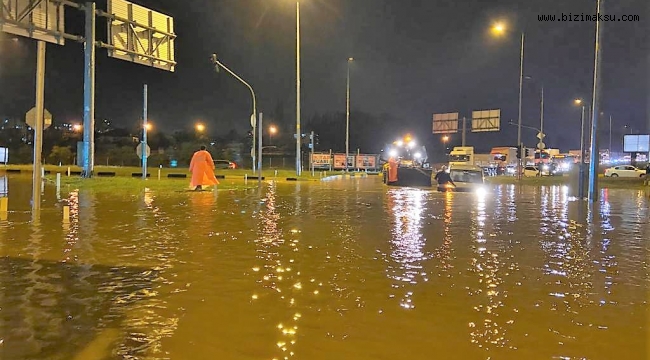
[(411, 60)]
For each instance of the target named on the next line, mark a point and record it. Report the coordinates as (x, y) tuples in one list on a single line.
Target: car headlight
[(481, 191)]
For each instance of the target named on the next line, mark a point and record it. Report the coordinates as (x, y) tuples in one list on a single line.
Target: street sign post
[(30, 118)]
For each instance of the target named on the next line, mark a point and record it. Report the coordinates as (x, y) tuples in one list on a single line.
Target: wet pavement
[(343, 269)]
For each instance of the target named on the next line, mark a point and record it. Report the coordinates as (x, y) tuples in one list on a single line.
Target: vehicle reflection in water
[(341, 269)]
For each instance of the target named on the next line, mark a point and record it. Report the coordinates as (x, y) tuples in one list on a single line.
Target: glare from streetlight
[(445, 138), (273, 129), (200, 127), (350, 59), (499, 28), (77, 127), (578, 101), (148, 127)]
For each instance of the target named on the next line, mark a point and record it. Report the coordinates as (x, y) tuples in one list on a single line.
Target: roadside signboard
[(30, 118), (339, 161), (138, 150), (366, 162), (321, 160)]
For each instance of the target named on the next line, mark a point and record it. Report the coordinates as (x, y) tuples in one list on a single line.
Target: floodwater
[(345, 269)]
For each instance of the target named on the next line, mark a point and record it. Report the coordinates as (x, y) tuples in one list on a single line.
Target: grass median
[(603, 182)]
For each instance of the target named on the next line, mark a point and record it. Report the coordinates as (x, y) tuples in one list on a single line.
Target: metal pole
[(347, 120), (311, 159), (541, 114), (298, 168), (464, 131), (37, 177), (218, 64), (259, 150), (521, 84), (594, 156), (145, 116), (610, 137), (581, 167), (89, 93)]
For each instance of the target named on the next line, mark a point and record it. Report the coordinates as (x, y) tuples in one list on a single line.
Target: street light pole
[(581, 167), (218, 64), (521, 84), (594, 156), (298, 138), (541, 113), (347, 119)]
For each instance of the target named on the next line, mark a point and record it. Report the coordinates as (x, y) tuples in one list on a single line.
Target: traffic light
[(527, 152), (519, 152)]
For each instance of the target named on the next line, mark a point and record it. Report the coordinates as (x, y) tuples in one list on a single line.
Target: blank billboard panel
[(33, 19), (141, 35), (486, 120), (445, 123), (636, 143)]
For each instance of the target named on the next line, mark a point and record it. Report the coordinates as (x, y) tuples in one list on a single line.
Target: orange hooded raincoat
[(202, 169)]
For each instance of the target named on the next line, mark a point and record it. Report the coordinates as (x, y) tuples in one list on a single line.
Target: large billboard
[(141, 35), (636, 143), (366, 162), (321, 160), (486, 120), (339, 161), (445, 123), (39, 20)]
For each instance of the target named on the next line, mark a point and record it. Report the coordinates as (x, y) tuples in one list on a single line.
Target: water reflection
[(406, 206), (289, 270)]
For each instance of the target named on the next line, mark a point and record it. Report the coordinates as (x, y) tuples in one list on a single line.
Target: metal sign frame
[(486, 120), (37, 19), (446, 123), (140, 35)]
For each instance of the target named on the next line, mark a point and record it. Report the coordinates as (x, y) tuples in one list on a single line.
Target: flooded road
[(346, 269)]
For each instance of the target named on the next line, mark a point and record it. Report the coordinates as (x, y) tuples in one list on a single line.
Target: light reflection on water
[(343, 269)]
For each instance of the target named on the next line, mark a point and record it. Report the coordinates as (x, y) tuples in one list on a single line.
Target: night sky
[(413, 58)]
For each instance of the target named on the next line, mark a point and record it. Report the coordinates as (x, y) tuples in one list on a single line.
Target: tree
[(60, 154)]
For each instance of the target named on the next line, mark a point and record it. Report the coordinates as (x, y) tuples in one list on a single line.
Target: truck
[(464, 155), (504, 157)]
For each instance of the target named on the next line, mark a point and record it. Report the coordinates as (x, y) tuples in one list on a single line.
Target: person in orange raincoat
[(202, 169), (392, 170)]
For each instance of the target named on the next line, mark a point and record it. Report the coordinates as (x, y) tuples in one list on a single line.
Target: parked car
[(624, 171), (530, 171), (224, 164)]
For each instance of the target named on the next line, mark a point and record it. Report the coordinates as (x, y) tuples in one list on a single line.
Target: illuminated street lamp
[(272, 131), (500, 28), (77, 127), (581, 168), (200, 127), (347, 118)]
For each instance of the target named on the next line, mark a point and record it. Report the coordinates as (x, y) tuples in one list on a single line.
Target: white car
[(530, 171), (624, 171)]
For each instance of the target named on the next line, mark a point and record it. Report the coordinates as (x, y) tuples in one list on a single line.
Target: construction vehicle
[(406, 163)]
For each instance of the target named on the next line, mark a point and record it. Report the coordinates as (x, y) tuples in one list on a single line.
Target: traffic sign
[(253, 120), (138, 150), (30, 118), (541, 145), (541, 135)]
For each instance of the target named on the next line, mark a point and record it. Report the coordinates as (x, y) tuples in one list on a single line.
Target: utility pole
[(594, 156), (144, 133), (464, 130), (89, 93), (38, 126)]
